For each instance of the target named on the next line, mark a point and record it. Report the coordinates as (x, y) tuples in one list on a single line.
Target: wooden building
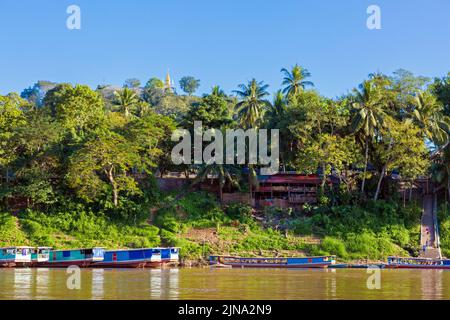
[(286, 190)]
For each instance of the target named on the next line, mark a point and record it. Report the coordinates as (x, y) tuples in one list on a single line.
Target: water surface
[(210, 283)]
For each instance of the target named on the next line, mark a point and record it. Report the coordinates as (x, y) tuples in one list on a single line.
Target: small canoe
[(417, 263), (303, 262)]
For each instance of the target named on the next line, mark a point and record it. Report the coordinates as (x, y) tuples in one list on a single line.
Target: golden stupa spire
[(168, 82)]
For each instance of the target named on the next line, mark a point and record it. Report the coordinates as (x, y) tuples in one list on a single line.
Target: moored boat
[(130, 258), (71, 257), (170, 255), (417, 263), (39, 255), (11, 257), (302, 262)]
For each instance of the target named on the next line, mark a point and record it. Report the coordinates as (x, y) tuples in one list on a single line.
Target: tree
[(251, 107), (398, 140), (189, 84), (132, 83), (79, 109), (429, 117), (217, 91), (212, 111), (154, 83), (37, 92), (441, 89), (368, 117), (294, 80), (277, 108), (39, 166), (150, 135), (127, 101), (104, 161), (11, 117)]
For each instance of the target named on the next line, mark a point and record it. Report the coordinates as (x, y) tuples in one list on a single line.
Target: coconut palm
[(294, 80), (126, 100), (217, 91), (278, 107), (429, 117), (251, 107), (368, 116)]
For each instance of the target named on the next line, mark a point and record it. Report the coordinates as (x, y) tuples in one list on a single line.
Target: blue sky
[(220, 42)]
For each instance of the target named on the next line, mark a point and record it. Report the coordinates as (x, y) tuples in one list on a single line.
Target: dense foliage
[(81, 163)]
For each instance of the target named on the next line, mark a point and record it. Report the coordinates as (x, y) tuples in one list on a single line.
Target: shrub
[(334, 246)]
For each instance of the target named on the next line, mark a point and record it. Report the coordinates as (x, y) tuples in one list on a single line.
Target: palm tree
[(278, 107), (222, 172), (294, 81), (217, 91), (428, 116), (368, 117), (126, 100), (251, 107)]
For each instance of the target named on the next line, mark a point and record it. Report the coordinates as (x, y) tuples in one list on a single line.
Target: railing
[(437, 241)]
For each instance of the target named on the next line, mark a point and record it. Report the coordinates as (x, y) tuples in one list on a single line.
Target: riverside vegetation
[(78, 167)]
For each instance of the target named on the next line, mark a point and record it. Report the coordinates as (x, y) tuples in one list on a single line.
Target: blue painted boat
[(302, 262), (170, 255), (11, 257), (77, 257), (417, 263), (130, 258)]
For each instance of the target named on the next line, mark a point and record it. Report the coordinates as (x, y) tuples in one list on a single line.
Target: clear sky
[(220, 42)]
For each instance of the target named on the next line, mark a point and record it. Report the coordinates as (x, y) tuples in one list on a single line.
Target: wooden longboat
[(417, 263), (73, 257), (12, 257), (170, 255), (130, 258), (40, 254), (303, 262)]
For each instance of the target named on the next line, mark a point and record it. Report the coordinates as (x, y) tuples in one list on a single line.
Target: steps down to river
[(428, 233)]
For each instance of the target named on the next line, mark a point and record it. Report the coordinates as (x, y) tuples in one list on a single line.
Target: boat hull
[(272, 265), (15, 264), (64, 264), (126, 264), (411, 266)]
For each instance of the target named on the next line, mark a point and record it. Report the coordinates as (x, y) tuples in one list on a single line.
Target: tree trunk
[(410, 191), (448, 188), (324, 177), (221, 194), (383, 172), (114, 186), (365, 165)]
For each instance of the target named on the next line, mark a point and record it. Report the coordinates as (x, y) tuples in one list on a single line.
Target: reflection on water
[(223, 284)]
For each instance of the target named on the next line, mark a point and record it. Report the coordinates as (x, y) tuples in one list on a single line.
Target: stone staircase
[(428, 233)]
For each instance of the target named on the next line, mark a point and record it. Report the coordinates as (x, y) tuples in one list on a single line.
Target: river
[(206, 283)]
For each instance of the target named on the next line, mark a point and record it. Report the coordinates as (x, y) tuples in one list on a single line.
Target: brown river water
[(236, 284)]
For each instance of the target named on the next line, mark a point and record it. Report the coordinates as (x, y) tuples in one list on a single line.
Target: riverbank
[(200, 226)]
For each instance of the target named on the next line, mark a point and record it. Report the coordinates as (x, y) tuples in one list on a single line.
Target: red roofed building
[(286, 190)]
